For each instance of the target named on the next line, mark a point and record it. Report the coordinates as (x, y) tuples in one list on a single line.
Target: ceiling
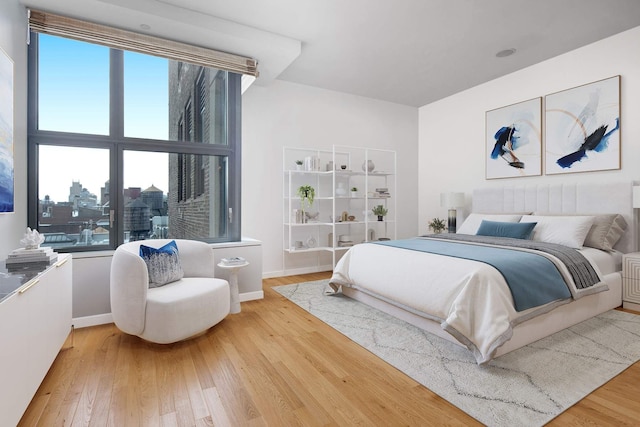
[(411, 52)]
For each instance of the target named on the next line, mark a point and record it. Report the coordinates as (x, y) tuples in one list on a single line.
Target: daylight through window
[(126, 146)]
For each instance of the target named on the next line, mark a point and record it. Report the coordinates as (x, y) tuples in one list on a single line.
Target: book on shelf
[(382, 192)]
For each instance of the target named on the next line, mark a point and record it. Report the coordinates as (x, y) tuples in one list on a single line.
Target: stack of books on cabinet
[(22, 258)]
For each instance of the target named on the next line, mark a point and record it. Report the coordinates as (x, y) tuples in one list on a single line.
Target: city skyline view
[(75, 98)]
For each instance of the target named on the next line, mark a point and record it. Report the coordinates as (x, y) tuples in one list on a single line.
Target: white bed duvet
[(470, 299)]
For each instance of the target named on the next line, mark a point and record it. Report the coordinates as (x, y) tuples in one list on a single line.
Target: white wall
[(451, 134), (292, 115), (13, 31)]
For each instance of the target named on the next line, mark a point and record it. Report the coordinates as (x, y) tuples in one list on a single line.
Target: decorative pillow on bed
[(163, 264), (472, 222), (606, 231), (516, 230), (563, 230)]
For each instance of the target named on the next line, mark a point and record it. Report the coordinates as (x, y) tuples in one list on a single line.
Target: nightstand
[(631, 281)]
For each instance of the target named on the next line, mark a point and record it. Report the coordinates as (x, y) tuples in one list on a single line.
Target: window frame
[(117, 144)]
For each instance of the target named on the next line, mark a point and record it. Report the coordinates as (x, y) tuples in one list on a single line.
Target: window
[(126, 146)]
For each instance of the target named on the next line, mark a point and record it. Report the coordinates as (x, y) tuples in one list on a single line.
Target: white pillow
[(563, 230), (473, 221)]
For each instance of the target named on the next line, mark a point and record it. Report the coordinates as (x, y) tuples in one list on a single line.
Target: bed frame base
[(525, 333)]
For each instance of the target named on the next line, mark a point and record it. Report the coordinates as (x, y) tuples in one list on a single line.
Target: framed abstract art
[(6, 134), (582, 128), (514, 140)]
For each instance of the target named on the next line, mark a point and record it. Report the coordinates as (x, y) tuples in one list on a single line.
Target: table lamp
[(451, 201)]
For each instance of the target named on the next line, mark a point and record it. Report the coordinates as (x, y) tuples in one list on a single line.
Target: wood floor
[(272, 364)]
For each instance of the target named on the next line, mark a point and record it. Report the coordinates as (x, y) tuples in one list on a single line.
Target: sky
[(74, 97)]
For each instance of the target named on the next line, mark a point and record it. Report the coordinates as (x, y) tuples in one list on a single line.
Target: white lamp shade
[(451, 200), (636, 196)]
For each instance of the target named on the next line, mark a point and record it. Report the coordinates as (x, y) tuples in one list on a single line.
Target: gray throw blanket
[(579, 267)]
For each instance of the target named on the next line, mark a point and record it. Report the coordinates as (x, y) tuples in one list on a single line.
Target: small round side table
[(233, 284)]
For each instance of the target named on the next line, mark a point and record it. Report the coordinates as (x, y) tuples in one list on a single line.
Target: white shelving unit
[(338, 218)]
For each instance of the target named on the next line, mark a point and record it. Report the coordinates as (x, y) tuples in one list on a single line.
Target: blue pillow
[(516, 230), (163, 264)]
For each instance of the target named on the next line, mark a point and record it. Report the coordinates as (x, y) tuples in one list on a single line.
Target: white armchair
[(172, 312)]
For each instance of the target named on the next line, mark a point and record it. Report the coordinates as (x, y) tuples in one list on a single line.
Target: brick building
[(197, 113)]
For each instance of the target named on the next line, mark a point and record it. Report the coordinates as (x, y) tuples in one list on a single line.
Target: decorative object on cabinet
[(340, 190), (354, 191), (513, 140), (368, 166), (451, 201), (32, 239), (437, 225), (582, 128), (380, 211), (299, 165)]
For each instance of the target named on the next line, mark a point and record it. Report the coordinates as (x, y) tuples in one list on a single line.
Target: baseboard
[(293, 272), (250, 296), (86, 321)]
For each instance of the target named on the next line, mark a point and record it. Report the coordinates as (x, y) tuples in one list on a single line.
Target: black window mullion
[(234, 114), (116, 132)]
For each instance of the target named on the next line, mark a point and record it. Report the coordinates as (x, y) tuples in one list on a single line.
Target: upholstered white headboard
[(583, 198)]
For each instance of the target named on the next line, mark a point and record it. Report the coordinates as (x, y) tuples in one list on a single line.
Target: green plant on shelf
[(380, 211), (307, 194)]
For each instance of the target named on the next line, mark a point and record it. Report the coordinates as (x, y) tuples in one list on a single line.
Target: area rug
[(527, 387)]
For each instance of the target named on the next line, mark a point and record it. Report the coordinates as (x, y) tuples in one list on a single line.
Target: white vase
[(341, 191), (368, 166)]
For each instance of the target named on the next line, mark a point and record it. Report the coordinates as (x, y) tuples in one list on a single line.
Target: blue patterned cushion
[(163, 264), (516, 230)]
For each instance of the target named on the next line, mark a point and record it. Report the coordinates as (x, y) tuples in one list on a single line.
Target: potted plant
[(299, 165), (380, 211), (437, 225), (306, 193), (354, 191)]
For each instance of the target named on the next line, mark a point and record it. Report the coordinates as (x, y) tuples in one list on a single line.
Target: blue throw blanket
[(533, 279)]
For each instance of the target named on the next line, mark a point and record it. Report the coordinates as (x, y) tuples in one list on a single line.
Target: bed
[(467, 299)]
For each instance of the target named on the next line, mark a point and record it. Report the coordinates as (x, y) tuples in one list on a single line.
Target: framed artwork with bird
[(582, 128)]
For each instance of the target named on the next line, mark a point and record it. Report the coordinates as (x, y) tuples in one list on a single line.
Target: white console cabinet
[(35, 321)]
